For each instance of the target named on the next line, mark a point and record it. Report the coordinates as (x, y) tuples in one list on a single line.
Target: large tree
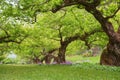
[(111, 55), (102, 10), (66, 27)]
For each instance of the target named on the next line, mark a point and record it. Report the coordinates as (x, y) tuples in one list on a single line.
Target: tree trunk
[(111, 55), (36, 60), (61, 54)]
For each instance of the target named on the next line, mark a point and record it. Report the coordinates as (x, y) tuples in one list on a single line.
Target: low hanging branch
[(86, 35), (83, 37), (75, 2), (7, 39)]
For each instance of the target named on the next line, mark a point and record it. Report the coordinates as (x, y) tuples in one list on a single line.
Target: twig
[(113, 14)]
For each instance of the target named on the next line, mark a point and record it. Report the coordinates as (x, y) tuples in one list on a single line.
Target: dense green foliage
[(28, 27)]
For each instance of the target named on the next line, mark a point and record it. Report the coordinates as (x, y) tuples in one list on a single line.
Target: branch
[(70, 39), (82, 37), (61, 17), (60, 34), (96, 2), (87, 44), (54, 39), (3, 38), (21, 40), (70, 3), (10, 40), (53, 50), (4, 31), (113, 14), (76, 18), (57, 8), (7, 40), (75, 2), (86, 35)]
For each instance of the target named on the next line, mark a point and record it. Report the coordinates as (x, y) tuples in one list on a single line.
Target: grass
[(80, 59), (85, 71), (88, 70)]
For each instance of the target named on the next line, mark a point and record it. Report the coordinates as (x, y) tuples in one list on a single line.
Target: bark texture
[(111, 55)]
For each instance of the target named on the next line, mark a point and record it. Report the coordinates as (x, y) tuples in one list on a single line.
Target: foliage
[(18, 16), (2, 58), (9, 61)]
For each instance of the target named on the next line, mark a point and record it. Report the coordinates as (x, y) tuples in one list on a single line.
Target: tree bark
[(111, 55), (61, 54), (36, 60), (48, 56)]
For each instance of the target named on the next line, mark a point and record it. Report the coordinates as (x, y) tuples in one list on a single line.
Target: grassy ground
[(80, 59), (84, 71)]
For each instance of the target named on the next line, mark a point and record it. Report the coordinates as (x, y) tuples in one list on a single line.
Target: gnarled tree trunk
[(111, 55)]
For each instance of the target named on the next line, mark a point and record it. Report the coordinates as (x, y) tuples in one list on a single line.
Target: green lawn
[(80, 59), (84, 71)]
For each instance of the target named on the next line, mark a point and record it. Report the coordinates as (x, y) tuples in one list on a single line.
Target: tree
[(103, 11), (68, 28), (36, 46), (66, 31), (111, 55)]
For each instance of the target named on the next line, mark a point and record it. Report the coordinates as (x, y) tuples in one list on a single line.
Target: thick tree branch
[(87, 34), (83, 37), (96, 2), (3, 38), (70, 3)]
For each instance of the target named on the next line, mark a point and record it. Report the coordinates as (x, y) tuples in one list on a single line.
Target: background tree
[(67, 28)]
